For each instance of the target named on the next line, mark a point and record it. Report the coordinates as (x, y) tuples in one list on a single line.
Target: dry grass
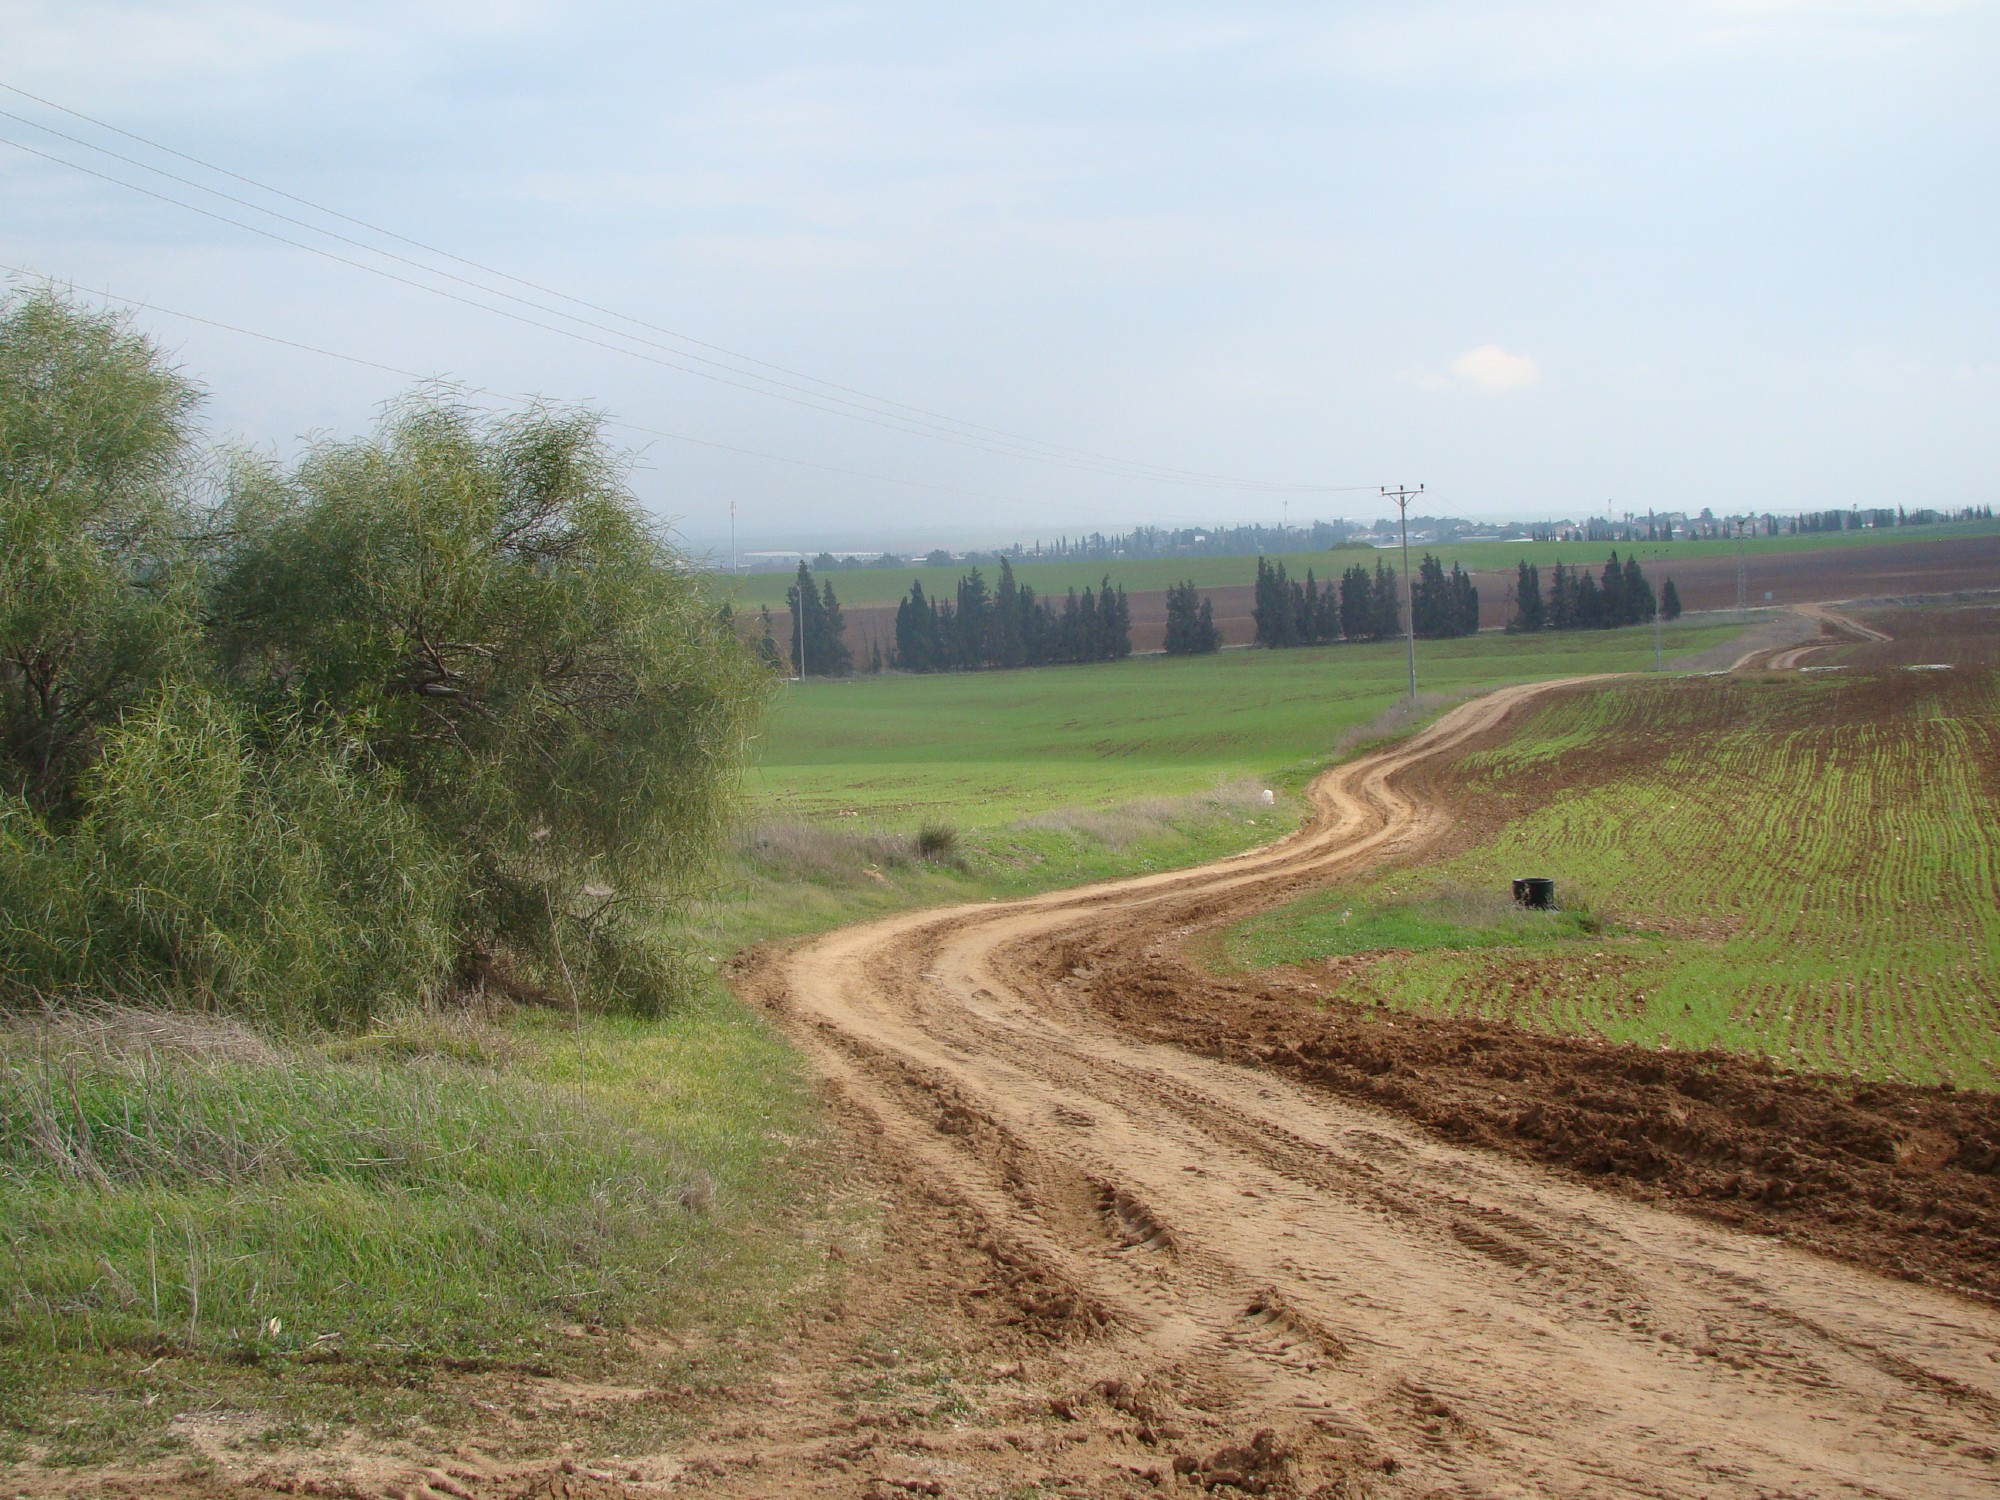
[(797, 850), (1404, 716), (136, 1034), (1148, 818)]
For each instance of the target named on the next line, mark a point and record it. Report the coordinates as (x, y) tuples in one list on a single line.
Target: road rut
[(1439, 1320)]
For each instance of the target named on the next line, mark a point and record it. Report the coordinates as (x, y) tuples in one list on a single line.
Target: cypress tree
[(1562, 599), (1589, 607), (831, 658), (1639, 602), (1356, 603), (1008, 634), (1528, 610), (1611, 595), (1114, 622), (1670, 601), (1386, 612), (1465, 603), (914, 627)]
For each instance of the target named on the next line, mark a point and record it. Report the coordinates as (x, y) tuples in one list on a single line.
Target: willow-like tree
[(483, 605), (97, 594)]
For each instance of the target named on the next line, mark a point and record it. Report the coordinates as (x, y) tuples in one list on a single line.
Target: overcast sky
[(1545, 258)]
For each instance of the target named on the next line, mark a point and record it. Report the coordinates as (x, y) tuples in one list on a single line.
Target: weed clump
[(937, 842)]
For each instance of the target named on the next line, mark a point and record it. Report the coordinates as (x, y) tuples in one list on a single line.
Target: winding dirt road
[(1223, 1253)]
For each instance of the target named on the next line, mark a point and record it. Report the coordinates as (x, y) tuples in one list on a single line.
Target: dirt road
[(1233, 1254)]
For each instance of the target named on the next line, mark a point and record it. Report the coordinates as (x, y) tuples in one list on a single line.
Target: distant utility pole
[(1403, 495), (1742, 597), (732, 539), (1656, 606), (800, 588)]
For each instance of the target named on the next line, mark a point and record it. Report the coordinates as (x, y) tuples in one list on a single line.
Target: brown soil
[(1152, 1232), (1705, 581)]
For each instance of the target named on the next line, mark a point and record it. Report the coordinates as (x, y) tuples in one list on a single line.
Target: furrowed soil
[(1149, 1230)]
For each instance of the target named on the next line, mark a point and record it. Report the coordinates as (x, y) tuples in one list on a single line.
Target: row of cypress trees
[(1364, 606), (1289, 613), (1443, 604), (1577, 599), (1007, 625)]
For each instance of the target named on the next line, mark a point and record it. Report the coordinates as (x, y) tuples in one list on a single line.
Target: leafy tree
[(97, 601)]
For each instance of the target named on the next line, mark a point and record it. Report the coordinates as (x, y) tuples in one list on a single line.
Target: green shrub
[(276, 881)]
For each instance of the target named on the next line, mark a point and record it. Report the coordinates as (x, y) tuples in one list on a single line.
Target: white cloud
[(1491, 368)]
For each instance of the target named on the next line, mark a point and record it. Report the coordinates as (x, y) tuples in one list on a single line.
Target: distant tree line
[(1578, 599), (1008, 626), (1860, 520)]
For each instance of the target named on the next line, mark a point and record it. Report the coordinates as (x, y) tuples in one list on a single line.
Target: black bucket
[(1535, 893)]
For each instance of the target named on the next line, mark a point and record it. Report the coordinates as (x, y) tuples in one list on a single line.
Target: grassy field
[(887, 585), (986, 749), (329, 1237), (1806, 867)]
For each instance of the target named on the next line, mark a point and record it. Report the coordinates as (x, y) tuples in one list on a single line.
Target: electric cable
[(920, 422)]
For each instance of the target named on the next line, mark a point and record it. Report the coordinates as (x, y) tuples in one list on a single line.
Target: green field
[(887, 585), (1806, 867), (986, 748)]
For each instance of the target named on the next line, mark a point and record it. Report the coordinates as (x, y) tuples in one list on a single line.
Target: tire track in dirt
[(1444, 1320)]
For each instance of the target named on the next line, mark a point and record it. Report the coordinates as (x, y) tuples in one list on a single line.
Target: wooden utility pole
[(1403, 495)]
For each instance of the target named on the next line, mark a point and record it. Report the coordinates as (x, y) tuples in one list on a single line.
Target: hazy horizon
[(1548, 259)]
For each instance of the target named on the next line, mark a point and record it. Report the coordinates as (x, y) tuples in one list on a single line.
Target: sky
[(970, 274)]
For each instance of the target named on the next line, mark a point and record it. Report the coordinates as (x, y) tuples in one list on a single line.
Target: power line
[(937, 430), (919, 421), (615, 422), (325, 254)]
